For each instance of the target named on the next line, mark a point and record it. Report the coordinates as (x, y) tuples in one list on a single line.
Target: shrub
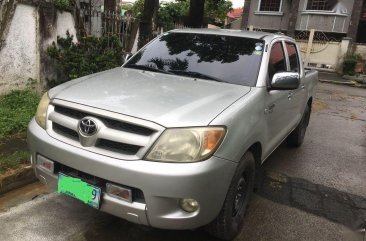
[(62, 4), (16, 110), (349, 64), (88, 56)]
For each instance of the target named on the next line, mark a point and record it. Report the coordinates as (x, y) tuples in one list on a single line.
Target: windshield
[(221, 58)]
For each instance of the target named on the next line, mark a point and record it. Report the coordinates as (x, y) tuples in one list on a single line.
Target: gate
[(318, 51)]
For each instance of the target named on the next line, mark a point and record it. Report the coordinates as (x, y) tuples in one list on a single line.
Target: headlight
[(42, 110), (186, 144)]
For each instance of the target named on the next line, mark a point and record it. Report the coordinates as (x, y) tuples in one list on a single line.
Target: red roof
[(235, 13)]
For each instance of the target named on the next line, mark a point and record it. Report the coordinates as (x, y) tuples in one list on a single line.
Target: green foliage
[(349, 64), (13, 160), (62, 4), (217, 9), (16, 110), (169, 12), (137, 8), (88, 56)]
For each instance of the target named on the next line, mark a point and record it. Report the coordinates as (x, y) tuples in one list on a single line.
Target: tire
[(296, 138), (230, 220)]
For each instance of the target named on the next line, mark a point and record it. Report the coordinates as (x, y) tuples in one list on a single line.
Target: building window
[(270, 5), (320, 5)]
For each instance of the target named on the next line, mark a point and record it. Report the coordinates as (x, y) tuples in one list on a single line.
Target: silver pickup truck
[(173, 138)]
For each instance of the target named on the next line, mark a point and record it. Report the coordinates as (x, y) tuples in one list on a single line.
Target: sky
[(237, 3)]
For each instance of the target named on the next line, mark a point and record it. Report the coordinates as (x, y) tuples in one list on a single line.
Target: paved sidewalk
[(335, 78)]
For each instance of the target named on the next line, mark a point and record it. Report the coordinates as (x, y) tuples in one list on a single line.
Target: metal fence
[(96, 23)]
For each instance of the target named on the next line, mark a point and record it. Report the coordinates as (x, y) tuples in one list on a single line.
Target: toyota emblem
[(87, 126)]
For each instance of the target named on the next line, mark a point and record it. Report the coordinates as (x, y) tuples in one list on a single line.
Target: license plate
[(79, 189)]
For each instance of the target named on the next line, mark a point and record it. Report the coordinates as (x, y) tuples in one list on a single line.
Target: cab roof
[(232, 32)]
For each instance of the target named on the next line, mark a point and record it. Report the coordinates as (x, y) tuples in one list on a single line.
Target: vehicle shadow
[(112, 229), (340, 207)]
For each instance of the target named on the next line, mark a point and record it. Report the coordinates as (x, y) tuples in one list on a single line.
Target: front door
[(279, 113)]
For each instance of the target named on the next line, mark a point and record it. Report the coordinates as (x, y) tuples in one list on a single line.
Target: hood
[(168, 100)]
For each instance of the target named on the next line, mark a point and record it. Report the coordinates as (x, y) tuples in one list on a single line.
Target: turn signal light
[(119, 192)]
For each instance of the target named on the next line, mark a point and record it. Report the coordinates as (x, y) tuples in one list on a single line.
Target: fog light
[(119, 192), (189, 205), (45, 163)]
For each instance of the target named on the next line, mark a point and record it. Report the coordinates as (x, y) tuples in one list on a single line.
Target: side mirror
[(285, 81), (128, 56)]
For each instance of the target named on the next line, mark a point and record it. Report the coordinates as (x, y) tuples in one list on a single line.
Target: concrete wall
[(360, 49), (322, 55), (236, 24), (22, 56), (265, 20), (19, 59)]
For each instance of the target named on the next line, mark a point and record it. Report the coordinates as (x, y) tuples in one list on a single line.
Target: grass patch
[(16, 110), (13, 160)]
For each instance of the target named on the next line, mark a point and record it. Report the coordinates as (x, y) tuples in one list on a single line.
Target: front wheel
[(296, 138), (229, 222)]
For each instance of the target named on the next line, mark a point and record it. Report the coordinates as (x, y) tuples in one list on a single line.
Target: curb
[(348, 83), (19, 178)]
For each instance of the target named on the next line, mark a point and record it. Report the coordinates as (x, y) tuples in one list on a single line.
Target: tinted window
[(277, 62), (293, 57), (231, 59)]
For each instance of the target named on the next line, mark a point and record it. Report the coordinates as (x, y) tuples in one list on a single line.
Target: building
[(336, 18), (233, 18)]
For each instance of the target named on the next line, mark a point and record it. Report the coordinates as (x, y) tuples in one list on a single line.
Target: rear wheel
[(230, 220), (296, 138)]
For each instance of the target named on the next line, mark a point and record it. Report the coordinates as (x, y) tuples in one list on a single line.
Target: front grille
[(117, 146), (114, 124), (61, 130), (117, 125), (137, 194), (70, 112), (118, 136)]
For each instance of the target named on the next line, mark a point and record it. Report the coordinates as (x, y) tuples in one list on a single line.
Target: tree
[(146, 22), (196, 10), (217, 10), (137, 8), (169, 13), (110, 6)]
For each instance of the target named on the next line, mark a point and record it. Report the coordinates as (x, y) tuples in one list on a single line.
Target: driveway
[(316, 192)]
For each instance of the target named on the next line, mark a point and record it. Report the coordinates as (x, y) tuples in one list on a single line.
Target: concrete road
[(316, 192)]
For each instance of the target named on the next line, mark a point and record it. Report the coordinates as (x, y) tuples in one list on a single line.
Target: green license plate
[(78, 189)]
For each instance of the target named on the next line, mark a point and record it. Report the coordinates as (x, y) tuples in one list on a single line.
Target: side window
[(277, 62), (293, 57)]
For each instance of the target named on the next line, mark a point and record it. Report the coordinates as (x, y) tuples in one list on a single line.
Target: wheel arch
[(256, 150), (310, 102)]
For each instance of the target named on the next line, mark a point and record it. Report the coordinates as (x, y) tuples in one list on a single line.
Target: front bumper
[(162, 184)]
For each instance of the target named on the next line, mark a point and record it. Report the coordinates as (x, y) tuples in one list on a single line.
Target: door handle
[(290, 94)]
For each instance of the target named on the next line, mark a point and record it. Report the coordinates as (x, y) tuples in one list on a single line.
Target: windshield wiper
[(197, 75), (146, 67)]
